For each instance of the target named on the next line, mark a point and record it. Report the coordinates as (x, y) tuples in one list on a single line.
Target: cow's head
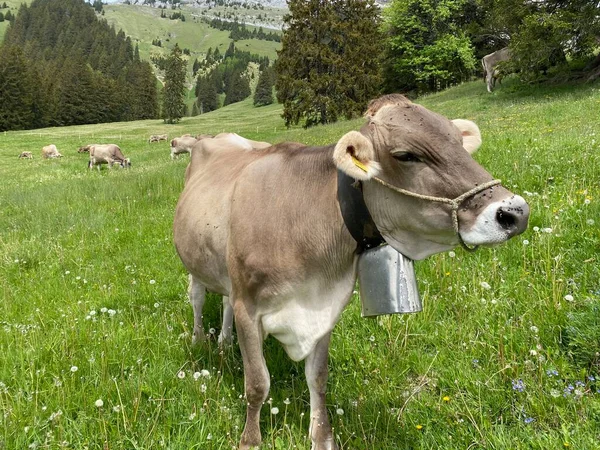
[(126, 163), (411, 148), (84, 149)]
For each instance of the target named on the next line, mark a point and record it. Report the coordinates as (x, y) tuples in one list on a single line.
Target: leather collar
[(356, 216)]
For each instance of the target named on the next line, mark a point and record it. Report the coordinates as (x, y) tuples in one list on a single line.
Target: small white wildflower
[(274, 410), (569, 298), (78, 278), (451, 254), (67, 272), (205, 373), (525, 242), (372, 338), (533, 352), (192, 416), (534, 329), (92, 313), (152, 281), (74, 369), (536, 229), (212, 331), (156, 305), (117, 408), (181, 374), (587, 201), (547, 230), (485, 285), (111, 312), (590, 221), (287, 401), (494, 301), (103, 310), (203, 388), (196, 376), (339, 412), (99, 403)]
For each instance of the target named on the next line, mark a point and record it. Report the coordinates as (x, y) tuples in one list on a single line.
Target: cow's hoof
[(198, 338), (225, 340)]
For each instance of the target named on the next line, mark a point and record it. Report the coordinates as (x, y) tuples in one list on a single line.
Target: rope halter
[(454, 203)]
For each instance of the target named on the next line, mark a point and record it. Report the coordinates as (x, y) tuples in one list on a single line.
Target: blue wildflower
[(518, 385), (528, 420), (552, 372), (579, 384)]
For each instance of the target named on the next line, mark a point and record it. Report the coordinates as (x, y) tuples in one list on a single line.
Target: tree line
[(239, 31), (60, 65), (338, 54)]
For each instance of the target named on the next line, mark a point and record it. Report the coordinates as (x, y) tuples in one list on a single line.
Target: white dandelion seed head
[(99, 403), (156, 305), (152, 281), (287, 401), (117, 408), (525, 242), (196, 376), (274, 410), (205, 373), (203, 388), (339, 412), (536, 229), (451, 254), (74, 369), (590, 222), (181, 374), (103, 310), (569, 298), (485, 285)]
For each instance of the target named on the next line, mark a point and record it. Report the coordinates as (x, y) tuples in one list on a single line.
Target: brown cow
[(107, 154), (157, 138), (265, 228), (181, 145), (50, 151), (490, 66), (26, 155), (84, 149)]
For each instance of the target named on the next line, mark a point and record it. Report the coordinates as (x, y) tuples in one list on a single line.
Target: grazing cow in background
[(266, 228), (181, 145), (490, 70), (107, 154), (157, 138), (84, 149), (50, 151), (26, 155), (196, 290)]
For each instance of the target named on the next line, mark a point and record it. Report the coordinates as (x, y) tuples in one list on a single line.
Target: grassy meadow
[(95, 326)]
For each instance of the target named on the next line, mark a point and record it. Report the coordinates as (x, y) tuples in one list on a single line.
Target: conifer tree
[(16, 90), (264, 89), (207, 95), (328, 65), (173, 104)]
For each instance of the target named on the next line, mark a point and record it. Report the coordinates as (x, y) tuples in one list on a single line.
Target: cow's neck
[(355, 213)]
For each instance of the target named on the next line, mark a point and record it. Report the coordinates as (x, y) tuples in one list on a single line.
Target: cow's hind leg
[(316, 376), (197, 294), (256, 374), (226, 334)]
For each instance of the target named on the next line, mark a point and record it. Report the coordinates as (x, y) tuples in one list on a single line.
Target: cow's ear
[(470, 134), (355, 156)]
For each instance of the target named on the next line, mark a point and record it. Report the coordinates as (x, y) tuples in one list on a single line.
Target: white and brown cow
[(26, 155), (490, 63), (196, 290), (183, 144), (50, 151), (157, 138), (265, 228), (107, 154)]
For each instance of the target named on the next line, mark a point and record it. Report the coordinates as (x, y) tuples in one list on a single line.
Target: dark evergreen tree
[(206, 93), (16, 90), (238, 88), (328, 65), (264, 89), (173, 104)]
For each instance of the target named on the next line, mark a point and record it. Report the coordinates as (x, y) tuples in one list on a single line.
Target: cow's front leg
[(256, 374), (316, 377), (197, 294), (226, 334)]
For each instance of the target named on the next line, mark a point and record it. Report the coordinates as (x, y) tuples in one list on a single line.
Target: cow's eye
[(406, 157)]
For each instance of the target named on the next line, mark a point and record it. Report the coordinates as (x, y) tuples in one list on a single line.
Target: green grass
[(74, 241)]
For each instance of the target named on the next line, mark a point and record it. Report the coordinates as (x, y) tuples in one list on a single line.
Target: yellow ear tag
[(360, 165)]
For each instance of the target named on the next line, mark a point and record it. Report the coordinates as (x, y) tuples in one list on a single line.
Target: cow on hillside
[(50, 151), (490, 63), (181, 145), (26, 155), (107, 154), (157, 138), (265, 227)]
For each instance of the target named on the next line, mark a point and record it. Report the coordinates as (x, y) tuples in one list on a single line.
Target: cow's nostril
[(506, 218)]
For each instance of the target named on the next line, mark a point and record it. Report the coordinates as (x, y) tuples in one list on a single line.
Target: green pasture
[(95, 324), (144, 24)]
